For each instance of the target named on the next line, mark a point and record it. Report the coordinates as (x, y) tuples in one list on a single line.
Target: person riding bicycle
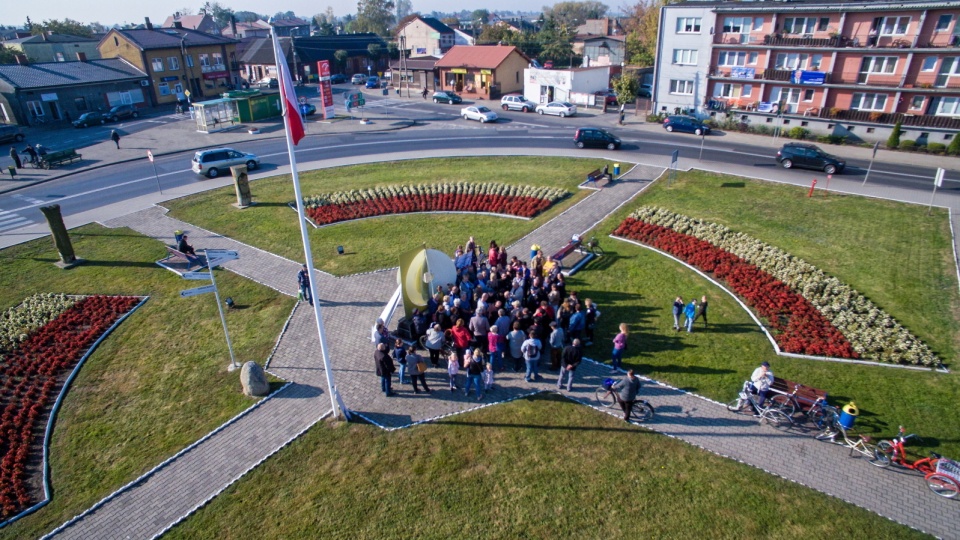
[(761, 379), (31, 153), (628, 388)]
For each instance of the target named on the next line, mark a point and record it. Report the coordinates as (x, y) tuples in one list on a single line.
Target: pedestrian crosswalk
[(12, 220)]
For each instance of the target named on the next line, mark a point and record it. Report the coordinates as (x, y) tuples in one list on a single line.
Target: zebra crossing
[(12, 220)]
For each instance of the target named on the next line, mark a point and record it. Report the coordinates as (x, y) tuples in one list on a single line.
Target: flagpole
[(307, 253)]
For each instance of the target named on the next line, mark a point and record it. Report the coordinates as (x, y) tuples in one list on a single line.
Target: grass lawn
[(157, 384), (373, 244), (534, 468)]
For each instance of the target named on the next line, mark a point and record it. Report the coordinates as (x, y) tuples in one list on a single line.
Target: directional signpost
[(215, 257), (199, 290)]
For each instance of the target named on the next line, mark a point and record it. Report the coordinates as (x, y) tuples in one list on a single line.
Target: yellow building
[(177, 61)]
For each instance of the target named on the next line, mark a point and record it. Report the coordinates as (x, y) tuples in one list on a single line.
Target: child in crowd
[(488, 378), (453, 368)]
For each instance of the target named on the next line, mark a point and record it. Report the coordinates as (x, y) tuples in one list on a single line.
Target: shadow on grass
[(603, 263), (117, 264)]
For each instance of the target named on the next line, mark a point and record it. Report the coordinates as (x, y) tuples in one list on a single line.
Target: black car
[(809, 156), (596, 137), (89, 119), (686, 124), (446, 96), (122, 111), (338, 78)]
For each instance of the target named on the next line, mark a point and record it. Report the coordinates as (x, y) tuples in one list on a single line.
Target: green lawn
[(157, 384), (373, 244), (542, 467)]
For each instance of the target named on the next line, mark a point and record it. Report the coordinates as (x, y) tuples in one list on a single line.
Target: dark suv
[(122, 111), (809, 156), (596, 137), (685, 123)]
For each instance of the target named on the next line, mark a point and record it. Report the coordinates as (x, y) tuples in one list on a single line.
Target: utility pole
[(403, 61)]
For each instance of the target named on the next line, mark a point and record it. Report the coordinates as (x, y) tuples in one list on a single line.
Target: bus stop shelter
[(216, 115)]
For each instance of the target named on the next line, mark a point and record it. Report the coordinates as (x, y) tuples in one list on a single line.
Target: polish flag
[(288, 96)]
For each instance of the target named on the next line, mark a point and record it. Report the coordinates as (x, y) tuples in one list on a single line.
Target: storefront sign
[(216, 75), (169, 79), (486, 72), (458, 70)]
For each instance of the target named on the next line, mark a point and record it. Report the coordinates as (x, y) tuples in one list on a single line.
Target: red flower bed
[(405, 204), (797, 325), (29, 377)]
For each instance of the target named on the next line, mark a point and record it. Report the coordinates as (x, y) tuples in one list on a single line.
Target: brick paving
[(151, 505)]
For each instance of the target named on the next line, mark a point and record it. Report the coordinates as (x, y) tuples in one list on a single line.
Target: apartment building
[(861, 61)]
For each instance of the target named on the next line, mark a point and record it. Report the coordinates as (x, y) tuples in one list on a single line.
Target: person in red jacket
[(461, 338)]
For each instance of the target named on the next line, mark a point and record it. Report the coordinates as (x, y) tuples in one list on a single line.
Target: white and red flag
[(288, 95)]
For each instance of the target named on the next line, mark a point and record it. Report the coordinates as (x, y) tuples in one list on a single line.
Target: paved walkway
[(151, 505)]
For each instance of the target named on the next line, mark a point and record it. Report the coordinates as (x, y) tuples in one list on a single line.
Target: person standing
[(690, 313), (453, 369), (556, 345), (570, 359), (762, 378), (577, 323), (418, 370), (702, 312), (400, 355), (115, 137), (496, 344), (303, 280), (32, 152), (591, 314), (677, 311), (461, 337), (385, 368), (434, 343), (619, 344), (623, 113), (629, 387), (531, 353), (15, 157), (474, 374), (515, 341), (488, 377), (480, 327)]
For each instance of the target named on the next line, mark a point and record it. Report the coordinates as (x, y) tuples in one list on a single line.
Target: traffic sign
[(222, 254), (150, 156), (303, 100), (197, 276), (199, 290)]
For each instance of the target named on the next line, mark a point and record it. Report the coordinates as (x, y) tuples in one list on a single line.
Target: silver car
[(480, 114), (212, 163), (559, 108)]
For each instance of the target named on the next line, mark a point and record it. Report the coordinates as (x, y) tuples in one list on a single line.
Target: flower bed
[(30, 375), (873, 334), (523, 201), (35, 311)]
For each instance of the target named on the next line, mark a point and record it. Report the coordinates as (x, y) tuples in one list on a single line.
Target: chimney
[(22, 59), (233, 25), (148, 24), (178, 24), (81, 57)]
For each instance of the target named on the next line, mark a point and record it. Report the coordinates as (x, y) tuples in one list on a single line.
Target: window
[(688, 25), (60, 57), (916, 102), (747, 90), (80, 104), (725, 90), (808, 94), (36, 108), (868, 102), (815, 61), (943, 23), (173, 63), (189, 60), (949, 106), (737, 25), (204, 60), (823, 24), (164, 89), (758, 24), (736, 58), (791, 61), (158, 64), (929, 63), (894, 26), (681, 87), (799, 25), (879, 64), (217, 59), (685, 56)]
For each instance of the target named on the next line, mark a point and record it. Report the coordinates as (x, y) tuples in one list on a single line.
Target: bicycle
[(860, 445), (642, 410), (942, 475), (770, 414), (591, 246), (819, 414)]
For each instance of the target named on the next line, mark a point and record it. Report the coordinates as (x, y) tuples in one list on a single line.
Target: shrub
[(654, 118), (823, 138), (894, 140), (798, 133), (954, 147), (761, 129), (908, 145), (936, 148)]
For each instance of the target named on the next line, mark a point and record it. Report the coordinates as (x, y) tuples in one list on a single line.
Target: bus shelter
[(216, 115)]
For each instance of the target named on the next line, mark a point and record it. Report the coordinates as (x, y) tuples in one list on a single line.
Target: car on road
[(809, 156), (373, 82), (358, 78), (268, 82), (478, 113), (687, 124), (10, 132), (88, 119), (607, 95), (338, 78), (516, 102), (597, 138), (307, 109), (446, 96), (645, 91), (212, 163), (559, 108), (122, 111)]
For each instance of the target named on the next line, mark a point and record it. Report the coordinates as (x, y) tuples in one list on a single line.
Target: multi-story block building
[(866, 62)]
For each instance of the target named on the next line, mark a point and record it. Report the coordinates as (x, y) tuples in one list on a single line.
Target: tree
[(642, 26), (479, 15), (574, 13), (374, 16), (247, 16), (326, 22), (7, 56), (894, 140), (374, 51), (220, 13), (66, 26), (556, 44), (393, 51), (626, 87), (404, 8), (954, 147), (341, 57), (450, 20)]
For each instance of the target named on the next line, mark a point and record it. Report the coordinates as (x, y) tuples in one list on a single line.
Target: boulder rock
[(254, 380)]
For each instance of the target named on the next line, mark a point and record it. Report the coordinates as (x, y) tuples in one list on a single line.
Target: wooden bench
[(598, 175), (806, 395), (55, 159), (178, 256), (566, 250)]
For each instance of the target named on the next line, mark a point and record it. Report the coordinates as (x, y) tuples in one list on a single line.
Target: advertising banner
[(326, 92), (808, 77), (742, 72)]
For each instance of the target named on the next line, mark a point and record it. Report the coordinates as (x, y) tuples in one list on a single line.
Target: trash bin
[(177, 236), (616, 169), (849, 415), (386, 91)]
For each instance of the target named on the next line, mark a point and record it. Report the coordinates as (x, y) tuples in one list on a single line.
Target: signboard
[(801, 76), (767, 107), (169, 79), (221, 254), (939, 179), (197, 276), (486, 72), (742, 73), (458, 70), (199, 290), (323, 66), (354, 100), (210, 75), (150, 156)]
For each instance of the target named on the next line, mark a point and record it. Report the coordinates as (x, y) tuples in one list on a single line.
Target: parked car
[(687, 124), (358, 78), (559, 108), (607, 95), (88, 119), (809, 156), (268, 82), (338, 78), (516, 102), (122, 111), (446, 96), (596, 137), (307, 109), (10, 132), (373, 82), (213, 162), (645, 91), (478, 113)]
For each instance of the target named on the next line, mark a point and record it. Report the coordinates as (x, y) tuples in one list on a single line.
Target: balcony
[(890, 118), (779, 75)]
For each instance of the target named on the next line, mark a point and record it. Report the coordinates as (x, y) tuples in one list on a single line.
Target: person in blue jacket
[(690, 313)]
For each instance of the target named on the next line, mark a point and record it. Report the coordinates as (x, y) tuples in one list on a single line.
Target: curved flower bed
[(873, 333), (523, 201), (35, 311), (31, 373)]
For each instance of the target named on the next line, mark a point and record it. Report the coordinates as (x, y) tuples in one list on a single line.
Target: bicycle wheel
[(865, 449), (776, 418), (784, 404), (597, 250), (737, 405), (884, 454), (942, 485), (641, 411), (825, 419), (605, 397)]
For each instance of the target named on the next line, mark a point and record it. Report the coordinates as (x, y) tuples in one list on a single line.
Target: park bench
[(55, 159), (598, 176), (177, 261), (566, 250), (806, 395)]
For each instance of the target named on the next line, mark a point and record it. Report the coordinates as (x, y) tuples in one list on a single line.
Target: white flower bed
[(35, 311), (461, 188), (873, 333)]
